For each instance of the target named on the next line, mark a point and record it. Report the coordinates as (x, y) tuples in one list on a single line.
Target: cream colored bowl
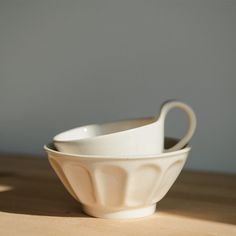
[(118, 187)]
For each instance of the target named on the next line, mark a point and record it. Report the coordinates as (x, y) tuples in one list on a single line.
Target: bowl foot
[(120, 214)]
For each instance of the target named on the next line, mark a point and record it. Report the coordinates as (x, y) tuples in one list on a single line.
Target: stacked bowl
[(122, 169)]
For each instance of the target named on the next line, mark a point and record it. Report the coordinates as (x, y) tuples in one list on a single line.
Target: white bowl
[(118, 187)]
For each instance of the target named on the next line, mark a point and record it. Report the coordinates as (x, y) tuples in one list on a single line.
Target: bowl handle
[(166, 107)]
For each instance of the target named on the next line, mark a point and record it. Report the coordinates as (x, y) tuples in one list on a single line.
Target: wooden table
[(34, 202)]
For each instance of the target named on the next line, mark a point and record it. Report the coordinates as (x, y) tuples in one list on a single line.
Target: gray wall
[(68, 63)]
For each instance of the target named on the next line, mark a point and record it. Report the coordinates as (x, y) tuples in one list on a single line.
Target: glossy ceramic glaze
[(128, 137), (118, 187)]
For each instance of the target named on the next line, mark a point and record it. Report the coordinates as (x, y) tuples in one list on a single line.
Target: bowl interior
[(168, 143)]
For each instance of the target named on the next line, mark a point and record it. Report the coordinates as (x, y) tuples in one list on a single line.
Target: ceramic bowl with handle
[(118, 187), (143, 136)]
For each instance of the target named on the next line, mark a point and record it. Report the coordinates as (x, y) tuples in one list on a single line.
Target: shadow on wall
[(29, 186)]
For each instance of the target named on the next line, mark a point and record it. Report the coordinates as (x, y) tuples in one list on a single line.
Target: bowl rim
[(49, 150)]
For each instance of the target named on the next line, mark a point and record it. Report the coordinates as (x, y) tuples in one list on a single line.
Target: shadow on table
[(30, 187), (27, 191), (203, 196)]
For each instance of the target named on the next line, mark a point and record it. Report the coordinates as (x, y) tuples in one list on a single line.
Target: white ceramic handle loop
[(166, 107)]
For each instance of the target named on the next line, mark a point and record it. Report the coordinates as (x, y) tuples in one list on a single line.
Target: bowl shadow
[(24, 189)]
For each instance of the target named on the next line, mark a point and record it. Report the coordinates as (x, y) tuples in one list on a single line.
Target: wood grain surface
[(34, 202)]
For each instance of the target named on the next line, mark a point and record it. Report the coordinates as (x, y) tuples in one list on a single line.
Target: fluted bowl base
[(120, 214)]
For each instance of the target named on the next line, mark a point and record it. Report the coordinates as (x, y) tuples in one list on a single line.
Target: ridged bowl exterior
[(113, 184)]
